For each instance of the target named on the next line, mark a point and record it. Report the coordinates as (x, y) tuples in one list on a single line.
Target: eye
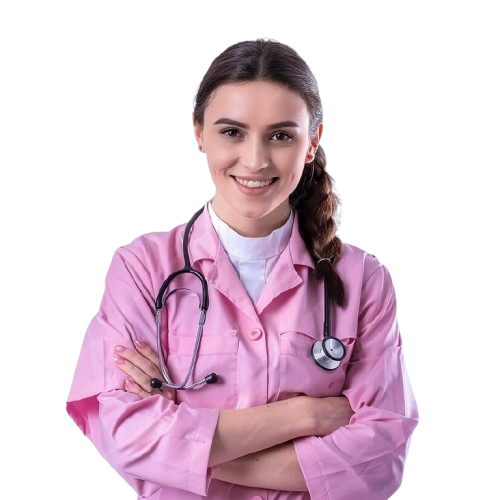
[(281, 136), (231, 132)]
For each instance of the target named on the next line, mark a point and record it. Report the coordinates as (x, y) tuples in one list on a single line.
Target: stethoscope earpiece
[(156, 383), (212, 378)]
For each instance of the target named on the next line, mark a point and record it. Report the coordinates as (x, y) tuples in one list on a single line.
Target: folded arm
[(275, 468), (252, 446)]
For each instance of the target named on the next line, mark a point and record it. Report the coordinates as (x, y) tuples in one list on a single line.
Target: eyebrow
[(229, 121)]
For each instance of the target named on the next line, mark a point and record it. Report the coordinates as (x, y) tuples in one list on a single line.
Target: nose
[(254, 155)]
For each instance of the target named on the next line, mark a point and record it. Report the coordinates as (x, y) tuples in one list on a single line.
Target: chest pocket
[(299, 374), (217, 354)]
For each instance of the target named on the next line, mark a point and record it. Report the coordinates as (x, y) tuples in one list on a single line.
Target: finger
[(146, 351), (140, 368), (135, 373), (131, 386), (138, 360)]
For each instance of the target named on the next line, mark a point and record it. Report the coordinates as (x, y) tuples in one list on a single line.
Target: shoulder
[(153, 243), (355, 262), (153, 252)]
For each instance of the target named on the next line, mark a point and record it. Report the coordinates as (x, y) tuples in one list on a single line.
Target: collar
[(204, 242), (251, 248)]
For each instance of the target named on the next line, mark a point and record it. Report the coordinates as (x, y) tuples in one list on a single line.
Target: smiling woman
[(263, 395), (256, 137)]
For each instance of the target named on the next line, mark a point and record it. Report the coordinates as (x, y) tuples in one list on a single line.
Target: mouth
[(254, 183)]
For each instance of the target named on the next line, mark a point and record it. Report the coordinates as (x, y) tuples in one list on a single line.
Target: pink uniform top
[(262, 353)]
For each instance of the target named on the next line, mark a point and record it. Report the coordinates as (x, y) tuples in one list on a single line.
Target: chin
[(252, 213)]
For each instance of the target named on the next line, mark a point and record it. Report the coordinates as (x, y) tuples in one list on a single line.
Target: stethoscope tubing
[(326, 353)]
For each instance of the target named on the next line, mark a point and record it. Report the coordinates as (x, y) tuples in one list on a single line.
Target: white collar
[(251, 248)]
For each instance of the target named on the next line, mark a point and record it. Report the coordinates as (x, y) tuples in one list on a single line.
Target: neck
[(253, 227)]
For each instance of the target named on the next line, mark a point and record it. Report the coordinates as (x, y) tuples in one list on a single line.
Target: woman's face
[(256, 138)]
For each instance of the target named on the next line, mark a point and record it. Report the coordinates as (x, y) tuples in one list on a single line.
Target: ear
[(198, 133), (314, 143)]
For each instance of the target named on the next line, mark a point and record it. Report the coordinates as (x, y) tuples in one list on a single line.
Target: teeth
[(253, 184)]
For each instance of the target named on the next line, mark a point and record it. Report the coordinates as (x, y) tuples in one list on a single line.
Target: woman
[(276, 424)]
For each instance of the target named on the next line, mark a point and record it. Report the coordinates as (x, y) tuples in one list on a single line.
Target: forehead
[(256, 102)]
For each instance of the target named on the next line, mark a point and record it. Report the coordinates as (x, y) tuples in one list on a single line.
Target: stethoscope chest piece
[(328, 352)]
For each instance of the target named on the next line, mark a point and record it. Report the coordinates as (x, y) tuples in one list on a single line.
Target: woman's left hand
[(141, 365)]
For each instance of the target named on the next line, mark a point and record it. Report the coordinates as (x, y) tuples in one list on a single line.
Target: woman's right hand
[(141, 365), (326, 415)]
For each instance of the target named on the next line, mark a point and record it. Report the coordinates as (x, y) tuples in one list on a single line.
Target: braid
[(316, 205)]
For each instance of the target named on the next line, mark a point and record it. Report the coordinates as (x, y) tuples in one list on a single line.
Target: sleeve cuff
[(200, 474), (310, 466)]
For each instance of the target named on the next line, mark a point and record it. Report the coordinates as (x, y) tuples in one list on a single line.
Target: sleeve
[(152, 443), (365, 459)]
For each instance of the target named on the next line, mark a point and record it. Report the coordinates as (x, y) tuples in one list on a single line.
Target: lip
[(250, 178), (254, 191)]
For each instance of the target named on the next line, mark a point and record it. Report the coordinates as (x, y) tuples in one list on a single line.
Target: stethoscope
[(326, 353)]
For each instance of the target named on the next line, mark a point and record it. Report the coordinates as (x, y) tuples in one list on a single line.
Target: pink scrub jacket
[(261, 354)]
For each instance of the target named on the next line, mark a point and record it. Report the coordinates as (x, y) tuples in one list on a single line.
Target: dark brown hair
[(314, 199)]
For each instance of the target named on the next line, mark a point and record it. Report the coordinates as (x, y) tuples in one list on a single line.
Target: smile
[(254, 184)]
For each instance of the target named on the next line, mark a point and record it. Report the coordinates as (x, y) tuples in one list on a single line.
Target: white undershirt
[(253, 258)]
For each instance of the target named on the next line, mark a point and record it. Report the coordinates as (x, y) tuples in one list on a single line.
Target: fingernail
[(118, 360), (140, 343), (130, 382), (119, 348)]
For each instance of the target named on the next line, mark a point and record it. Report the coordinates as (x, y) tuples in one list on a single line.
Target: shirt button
[(255, 334)]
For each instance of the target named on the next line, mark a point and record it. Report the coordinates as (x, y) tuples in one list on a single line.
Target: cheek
[(293, 168), (218, 161), (219, 154), (293, 157), (296, 179)]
